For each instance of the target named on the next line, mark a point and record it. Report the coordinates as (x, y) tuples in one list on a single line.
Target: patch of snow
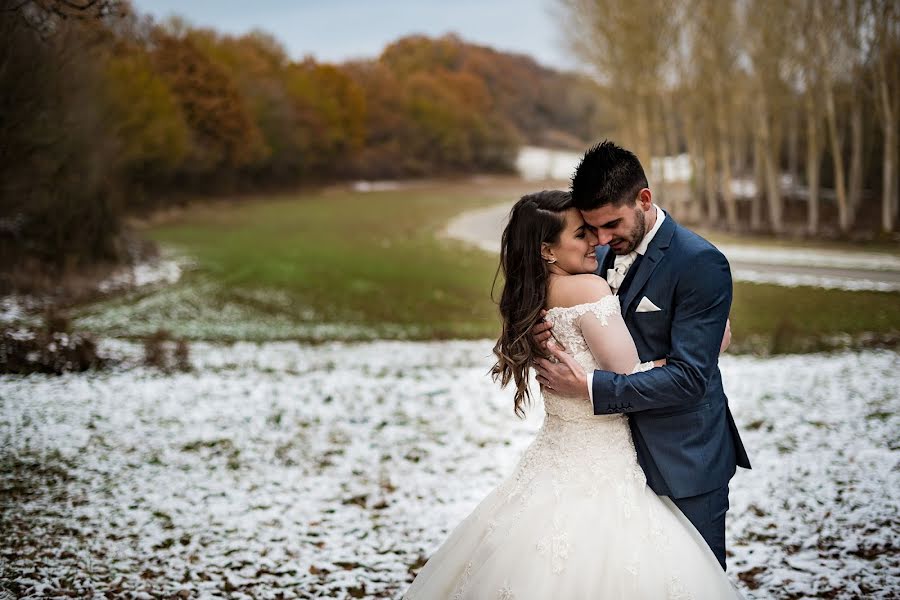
[(12, 309), (165, 271), (376, 186), (743, 188), (20, 308), (534, 163), (821, 281), (332, 470), (203, 309), (833, 259), (671, 168)]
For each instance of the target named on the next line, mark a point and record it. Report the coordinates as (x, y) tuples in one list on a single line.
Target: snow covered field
[(332, 471)]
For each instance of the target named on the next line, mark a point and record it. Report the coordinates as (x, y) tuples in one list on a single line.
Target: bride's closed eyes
[(583, 231), (574, 252)]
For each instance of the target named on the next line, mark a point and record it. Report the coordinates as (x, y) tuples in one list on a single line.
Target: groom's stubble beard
[(637, 232)]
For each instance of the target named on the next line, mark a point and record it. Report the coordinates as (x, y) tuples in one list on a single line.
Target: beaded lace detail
[(567, 331), (574, 447)]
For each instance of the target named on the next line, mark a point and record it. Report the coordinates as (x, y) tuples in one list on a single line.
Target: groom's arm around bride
[(700, 308)]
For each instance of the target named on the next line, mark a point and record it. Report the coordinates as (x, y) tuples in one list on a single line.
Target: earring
[(551, 260)]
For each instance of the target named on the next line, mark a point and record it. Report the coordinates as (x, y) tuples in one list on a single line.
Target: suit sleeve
[(702, 301)]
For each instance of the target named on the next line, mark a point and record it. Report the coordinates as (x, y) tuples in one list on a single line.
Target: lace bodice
[(565, 326), (568, 331)]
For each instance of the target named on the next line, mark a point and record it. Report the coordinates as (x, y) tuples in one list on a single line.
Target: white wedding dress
[(575, 519)]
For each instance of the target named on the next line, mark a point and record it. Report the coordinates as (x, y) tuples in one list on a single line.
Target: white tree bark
[(813, 163), (840, 187)]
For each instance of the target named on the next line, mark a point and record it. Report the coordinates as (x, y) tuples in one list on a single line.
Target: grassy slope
[(371, 265), (370, 262), (772, 318)]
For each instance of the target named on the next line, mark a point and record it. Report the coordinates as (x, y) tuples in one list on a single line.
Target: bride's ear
[(547, 253)]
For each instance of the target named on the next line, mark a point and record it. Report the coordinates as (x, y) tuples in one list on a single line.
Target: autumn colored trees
[(104, 111)]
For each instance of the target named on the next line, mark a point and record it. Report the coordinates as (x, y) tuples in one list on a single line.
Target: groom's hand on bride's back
[(542, 331), (561, 373)]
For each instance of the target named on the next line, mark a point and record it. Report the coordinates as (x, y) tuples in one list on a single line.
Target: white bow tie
[(616, 275)]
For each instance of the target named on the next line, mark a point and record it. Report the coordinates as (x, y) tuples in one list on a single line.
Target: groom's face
[(620, 227)]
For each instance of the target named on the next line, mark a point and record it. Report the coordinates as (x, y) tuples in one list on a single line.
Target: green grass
[(775, 319), (337, 264), (329, 264)]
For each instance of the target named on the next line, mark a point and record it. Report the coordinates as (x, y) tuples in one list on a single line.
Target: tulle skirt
[(573, 525)]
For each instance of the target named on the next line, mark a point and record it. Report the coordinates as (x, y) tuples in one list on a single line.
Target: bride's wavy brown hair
[(534, 220)]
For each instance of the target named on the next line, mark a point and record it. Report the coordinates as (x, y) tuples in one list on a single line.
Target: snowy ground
[(161, 272), (332, 471), (165, 270)]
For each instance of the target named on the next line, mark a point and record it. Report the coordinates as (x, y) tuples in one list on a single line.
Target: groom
[(674, 288)]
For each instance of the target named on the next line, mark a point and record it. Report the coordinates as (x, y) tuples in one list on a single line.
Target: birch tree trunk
[(834, 137), (793, 144), (759, 177), (695, 206), (709, 181), (889, 200), (770, 167), (724, 140), (813, 164), (854, 190)]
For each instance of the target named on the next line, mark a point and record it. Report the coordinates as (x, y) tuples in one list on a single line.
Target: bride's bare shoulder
[(573, 290)]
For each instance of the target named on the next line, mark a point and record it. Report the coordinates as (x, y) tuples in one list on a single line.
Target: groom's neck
[(651, 220)]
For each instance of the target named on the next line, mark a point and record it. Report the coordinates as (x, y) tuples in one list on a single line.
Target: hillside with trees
[(106, 112)]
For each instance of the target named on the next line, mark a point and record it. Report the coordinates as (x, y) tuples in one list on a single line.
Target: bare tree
[(45, 16), (853, 24), (807, 74), (612, 37), (885, 26), (825, 22), (767, 27), (813, 156)]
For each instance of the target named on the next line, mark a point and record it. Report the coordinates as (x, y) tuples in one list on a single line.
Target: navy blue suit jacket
[(684, 434)]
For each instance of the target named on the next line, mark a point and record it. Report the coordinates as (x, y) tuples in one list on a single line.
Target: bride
[(575, 519)]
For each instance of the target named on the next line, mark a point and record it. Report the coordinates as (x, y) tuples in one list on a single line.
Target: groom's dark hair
[(607, 174)]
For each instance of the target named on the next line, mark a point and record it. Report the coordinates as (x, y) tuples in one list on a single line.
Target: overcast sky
[(337, 30)]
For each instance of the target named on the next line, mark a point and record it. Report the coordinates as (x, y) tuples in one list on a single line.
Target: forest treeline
[(756, 89), (104, 111)]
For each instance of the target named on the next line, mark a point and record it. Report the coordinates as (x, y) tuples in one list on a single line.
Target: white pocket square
[(646, 306)]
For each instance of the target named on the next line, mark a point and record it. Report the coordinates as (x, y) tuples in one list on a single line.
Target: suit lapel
[(629, 277), (605, 258), (655, 253)]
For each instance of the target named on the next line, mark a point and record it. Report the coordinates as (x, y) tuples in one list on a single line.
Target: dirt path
[(835, 269)]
